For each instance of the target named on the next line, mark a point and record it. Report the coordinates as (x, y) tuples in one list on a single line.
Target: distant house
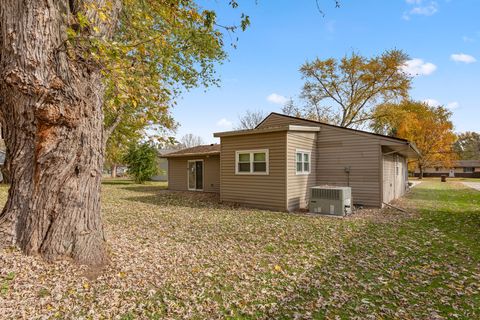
[(2, 162), (460, 169), (274, 165), (162, 174)]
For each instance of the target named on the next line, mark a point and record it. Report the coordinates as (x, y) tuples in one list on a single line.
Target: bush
[(141, 160)]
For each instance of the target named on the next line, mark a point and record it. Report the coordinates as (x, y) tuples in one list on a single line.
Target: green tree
[(102, 64), (141, 160), (467, 146), (117, 146), (430, 128), (344, 92)]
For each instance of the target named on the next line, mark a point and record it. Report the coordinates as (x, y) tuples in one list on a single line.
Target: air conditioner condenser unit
[(331, 200)]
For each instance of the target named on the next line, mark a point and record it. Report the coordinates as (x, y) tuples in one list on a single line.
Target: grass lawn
[(184, 255)]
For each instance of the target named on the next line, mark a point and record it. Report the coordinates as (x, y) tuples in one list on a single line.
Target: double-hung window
[(302, 161), (251, 162)]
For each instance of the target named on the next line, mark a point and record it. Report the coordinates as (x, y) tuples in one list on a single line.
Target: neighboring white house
[(460, 169), (162, 174)]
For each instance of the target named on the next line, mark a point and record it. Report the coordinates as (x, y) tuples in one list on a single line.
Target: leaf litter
[(180, 255)]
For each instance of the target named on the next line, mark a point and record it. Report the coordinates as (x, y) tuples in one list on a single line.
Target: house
[(195, 169), (274, 165), (460, 168)]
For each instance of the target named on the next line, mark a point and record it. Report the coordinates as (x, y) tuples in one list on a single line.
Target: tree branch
[(109, 130)]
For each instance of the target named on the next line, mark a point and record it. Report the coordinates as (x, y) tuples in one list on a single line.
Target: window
[(251, 162), (468, 169), (302, 162)]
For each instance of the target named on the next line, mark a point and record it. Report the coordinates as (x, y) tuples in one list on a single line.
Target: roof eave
[(266, 130), (184, 155)]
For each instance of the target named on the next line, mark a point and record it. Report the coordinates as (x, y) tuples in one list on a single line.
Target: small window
[(252, 162), (468, 169), (244, 162), (302, 162), (259, 162)]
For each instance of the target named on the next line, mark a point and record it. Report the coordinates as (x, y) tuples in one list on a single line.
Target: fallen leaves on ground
[(181, 255)]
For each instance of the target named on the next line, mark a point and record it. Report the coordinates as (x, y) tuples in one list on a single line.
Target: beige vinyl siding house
[(181, 163), (299, 182), (274, 165), (361, 152), (257, 190)]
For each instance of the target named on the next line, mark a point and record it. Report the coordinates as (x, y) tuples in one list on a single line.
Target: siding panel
[(178, 170), (338, 148), (298, 186), (395, 177), (262, 191)]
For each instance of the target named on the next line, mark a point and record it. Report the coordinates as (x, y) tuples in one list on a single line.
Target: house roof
[(265, 130), (395, 139), (467, 163), (163, 152), (203, 150), (331, 125)]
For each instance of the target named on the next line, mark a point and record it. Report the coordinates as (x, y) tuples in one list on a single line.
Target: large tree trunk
[(51, 104)]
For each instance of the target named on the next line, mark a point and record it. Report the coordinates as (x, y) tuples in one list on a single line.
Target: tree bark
[(420, 175), (51, 103), (114, 171)]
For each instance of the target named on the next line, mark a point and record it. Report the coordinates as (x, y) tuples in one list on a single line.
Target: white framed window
[(302, 161), (251, 162)]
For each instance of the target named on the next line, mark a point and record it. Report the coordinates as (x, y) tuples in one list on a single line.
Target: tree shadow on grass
[(145, 188), (113, 182), (164, 198)]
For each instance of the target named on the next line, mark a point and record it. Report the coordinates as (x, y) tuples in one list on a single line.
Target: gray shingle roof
[(198, 150)]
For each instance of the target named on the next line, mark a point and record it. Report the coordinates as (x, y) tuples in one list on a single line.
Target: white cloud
[(453, 105), (435, 103), (224, 123), (432, 102), (421, 7), (427, 10), (462, 57), (418, 67), (277, 99)]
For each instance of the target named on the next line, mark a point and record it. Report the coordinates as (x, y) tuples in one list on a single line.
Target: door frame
[(188, 174)]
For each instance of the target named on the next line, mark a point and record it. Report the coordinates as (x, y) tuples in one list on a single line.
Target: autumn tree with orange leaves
[(429, 127)]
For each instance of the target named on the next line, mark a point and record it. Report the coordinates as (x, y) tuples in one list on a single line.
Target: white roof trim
[(265, 130)]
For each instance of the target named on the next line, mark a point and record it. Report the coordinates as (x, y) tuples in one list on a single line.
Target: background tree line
[(372, 93)]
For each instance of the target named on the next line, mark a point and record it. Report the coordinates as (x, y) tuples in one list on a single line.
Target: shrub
[(141, 160)]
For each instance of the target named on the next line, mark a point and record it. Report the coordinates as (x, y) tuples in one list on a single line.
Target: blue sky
[(442, 38)]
